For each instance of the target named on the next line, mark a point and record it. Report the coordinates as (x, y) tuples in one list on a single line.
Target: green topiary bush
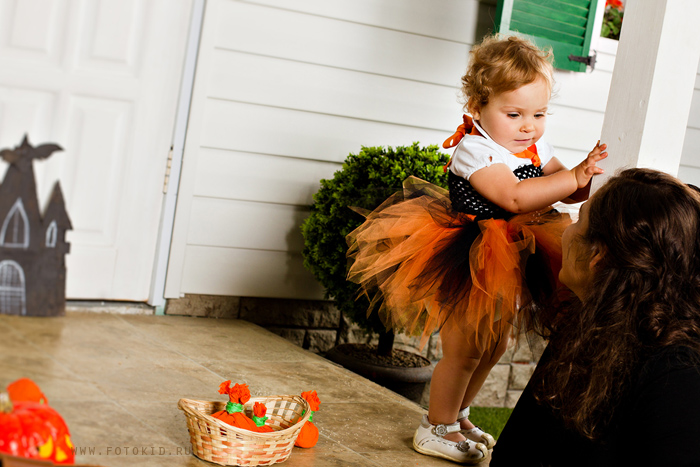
[(364, 181)]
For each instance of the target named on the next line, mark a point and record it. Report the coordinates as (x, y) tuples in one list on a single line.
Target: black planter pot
[(407, 381)]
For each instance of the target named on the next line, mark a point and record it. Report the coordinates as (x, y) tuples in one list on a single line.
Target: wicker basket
[(215, 441)]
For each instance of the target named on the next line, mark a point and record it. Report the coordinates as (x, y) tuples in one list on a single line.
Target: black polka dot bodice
[(466, 199)]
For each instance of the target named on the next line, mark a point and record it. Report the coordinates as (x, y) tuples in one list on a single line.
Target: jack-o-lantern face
[(59, 452), (35, 431)]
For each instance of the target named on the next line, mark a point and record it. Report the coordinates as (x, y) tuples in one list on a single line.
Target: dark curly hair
[(644, 295)]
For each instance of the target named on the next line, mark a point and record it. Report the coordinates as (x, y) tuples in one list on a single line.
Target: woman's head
[(641, 226), (633, 263), (503, 64)]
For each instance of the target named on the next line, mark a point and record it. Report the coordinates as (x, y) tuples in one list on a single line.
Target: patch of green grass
[(490, 419)]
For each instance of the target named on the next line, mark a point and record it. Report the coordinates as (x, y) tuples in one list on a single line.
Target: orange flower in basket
[(308, 435), (224, 387), (312, 398), (259, 411), (233, 414), (239, 393)]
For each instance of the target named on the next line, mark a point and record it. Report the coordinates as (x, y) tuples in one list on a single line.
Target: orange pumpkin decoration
[(233, 414), (308, 435), (24, 389), (35, 431)]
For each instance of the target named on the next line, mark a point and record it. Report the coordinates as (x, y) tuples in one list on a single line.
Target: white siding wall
[(286, 89), (689, 171)]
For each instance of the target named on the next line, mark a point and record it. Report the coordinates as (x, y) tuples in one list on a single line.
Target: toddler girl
[(468, 261)]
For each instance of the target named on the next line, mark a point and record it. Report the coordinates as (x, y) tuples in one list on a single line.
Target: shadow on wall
[(486, 16)]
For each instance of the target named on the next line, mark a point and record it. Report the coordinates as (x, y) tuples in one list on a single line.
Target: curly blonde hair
[(501, 64)]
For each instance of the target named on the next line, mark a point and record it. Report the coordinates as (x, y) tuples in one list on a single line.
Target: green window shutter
[(564, 25)]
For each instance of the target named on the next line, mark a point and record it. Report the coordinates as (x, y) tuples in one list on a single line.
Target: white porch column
[(652, 86)]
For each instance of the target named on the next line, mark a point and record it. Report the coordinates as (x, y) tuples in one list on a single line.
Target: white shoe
[(476, 434), (430, 440)]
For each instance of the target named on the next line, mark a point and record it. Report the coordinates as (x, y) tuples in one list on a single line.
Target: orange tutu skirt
[(424, 266)]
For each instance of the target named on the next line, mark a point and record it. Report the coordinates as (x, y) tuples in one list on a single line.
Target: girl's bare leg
[(451, 379), (487, 362)]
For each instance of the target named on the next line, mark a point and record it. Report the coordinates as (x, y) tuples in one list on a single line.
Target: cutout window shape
[(15, 228), (12, 289), (51, 234)]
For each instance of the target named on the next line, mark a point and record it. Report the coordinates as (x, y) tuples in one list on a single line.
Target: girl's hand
[(586, 169)]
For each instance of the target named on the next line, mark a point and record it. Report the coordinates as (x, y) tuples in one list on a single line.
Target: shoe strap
[(462, 414), (442, 430)]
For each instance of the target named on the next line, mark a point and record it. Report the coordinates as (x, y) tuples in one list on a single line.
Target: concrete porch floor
[(116, 380)]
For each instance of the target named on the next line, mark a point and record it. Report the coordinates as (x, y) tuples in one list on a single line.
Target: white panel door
[(101, 79)]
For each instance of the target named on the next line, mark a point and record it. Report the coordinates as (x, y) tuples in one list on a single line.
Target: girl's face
[(576, 266), (516, 119)]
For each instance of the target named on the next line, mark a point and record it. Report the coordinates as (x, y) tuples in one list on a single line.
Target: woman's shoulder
[(664, 398), (669, 359), (667, 380)]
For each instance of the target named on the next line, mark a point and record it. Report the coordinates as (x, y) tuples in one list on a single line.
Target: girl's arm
[(498, 184), (553, 166)]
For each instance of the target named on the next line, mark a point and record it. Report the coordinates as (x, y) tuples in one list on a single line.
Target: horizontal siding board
[(333, 91), (566, 128), (259, 177), (244, 224), (691, 148), (605, 62), (694, 116), (447, 19), (570, 157), (295, 36), (247, 273), (254, 128), (689, 170), (689, 174), (282, 179), (585, 91)]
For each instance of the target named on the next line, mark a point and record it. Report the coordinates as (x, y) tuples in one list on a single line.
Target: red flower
[(238, 394), (224, 387), (312, 399), (259, 410), (614, 4)]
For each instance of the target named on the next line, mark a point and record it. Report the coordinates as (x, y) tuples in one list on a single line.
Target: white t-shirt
[(475, 152)]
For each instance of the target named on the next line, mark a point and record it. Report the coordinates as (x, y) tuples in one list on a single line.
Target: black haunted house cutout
[(32, 246)]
